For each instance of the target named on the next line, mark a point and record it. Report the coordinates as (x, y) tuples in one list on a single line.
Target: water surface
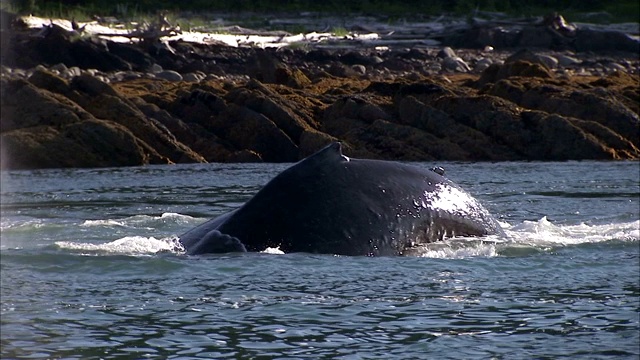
[(91, 269)]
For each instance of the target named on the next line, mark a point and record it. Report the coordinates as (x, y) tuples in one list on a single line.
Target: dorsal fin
[(335, 148), (331, 152)]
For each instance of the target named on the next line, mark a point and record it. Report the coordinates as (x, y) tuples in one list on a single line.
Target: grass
[(340, 31), (301, 45)]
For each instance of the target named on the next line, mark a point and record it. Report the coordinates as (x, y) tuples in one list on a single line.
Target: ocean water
[(91, 269)]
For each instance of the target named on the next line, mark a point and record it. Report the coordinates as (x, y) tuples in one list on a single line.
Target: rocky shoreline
[(81, 101)]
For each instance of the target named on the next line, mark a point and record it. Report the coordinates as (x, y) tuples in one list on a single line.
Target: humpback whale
[(332, 204)]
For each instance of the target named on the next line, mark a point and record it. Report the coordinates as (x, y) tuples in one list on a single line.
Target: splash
[(129, 245), (457, 249), (529, 238), (137, 245), (544, 233), (524, 239), (273, 251)]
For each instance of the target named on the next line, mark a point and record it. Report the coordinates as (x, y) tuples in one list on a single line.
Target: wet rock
[(49, 81), (360, 69), (244, 156), (565, 60), (24, 105), (482, 64), (90, 143), (446, 52), (59, 68), (358, 58), (192, 77), (276, 108), (550, 33), (250, 130), (169, 75), (152, 132), (519, 68), (155, 68), (563, 139), (595, 40), (182, 131), (139, 60), (45, 129), (455, 64), (312, 141), (93, 86), (57, 45), (270, 69), (525, 55), (540, 36)]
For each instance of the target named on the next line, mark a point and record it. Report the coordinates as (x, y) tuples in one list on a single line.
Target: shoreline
[(177, 101)]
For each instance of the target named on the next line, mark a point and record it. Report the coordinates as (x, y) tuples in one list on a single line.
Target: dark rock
[(562, 139), (49, 81), (90, 143), (250, 130), (518, 68), (548, 34), (541, 37), (111, 144), (446, 52), (529, 56), (321, 56), (198, 107), (594, 40), (261, 99), (139, 60), (312, 141), (92, 86), (393, 104), (356, 58), (455, 64), (269, 69), (151, 132), (586, 105), (169, 75), (183, 132), (244, 156), (24, 105), (61, 46)]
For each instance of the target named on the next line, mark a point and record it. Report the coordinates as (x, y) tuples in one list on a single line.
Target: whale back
[(329, 203)]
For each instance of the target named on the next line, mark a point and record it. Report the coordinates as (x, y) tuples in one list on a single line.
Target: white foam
[(146, 222), (523, 238), (528, 237), (129, 245), (25, 226), (274, 251), (476, 249), (545, 233)]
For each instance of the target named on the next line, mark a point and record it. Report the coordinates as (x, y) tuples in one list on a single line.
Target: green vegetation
[(620, 10), (339, 31)]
